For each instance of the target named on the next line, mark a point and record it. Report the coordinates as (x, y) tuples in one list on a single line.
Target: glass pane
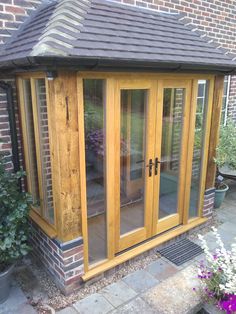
[(94, 119), (44, 149), (132, 156), (197, 154), (173, 106), (29, 120)]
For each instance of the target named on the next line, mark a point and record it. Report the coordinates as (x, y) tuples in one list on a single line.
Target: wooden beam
[(214, 132), (63, 130)]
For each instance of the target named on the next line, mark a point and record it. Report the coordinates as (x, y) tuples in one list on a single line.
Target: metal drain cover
[(181, 251)]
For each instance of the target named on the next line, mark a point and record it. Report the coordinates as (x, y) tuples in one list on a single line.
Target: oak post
[(214, 132), (63, 130)]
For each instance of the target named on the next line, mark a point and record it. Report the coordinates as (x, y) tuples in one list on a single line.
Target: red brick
[(72, 252), (14, 9), (71, 280)]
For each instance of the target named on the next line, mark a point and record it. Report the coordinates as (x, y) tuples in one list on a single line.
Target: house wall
[(12, 15), (215, 18)]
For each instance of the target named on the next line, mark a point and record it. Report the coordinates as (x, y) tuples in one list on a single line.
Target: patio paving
[(160, 288), (17, 303)]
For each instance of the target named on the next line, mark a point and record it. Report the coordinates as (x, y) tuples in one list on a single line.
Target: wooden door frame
[(171, 221), (112, 260), (142, 233)]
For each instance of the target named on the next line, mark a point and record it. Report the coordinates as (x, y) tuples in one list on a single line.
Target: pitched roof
[(105, 31)]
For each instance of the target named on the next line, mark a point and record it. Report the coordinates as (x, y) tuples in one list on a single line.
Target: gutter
[(103, 64), (12, 121)]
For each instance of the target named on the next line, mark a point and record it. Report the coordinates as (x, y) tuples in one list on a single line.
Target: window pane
[(94, 119), (132, 156), (33, 187), (197, 152), (224, 101), (173, 108), (44, 149)]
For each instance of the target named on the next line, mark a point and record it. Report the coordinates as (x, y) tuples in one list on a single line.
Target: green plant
[(226, 149), (14, 209)]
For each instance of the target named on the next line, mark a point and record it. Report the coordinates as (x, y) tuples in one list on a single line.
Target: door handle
[(156, 165), (150, 164)]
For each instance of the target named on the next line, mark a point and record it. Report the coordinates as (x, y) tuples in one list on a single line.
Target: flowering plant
[(95, 143), (218, 274)]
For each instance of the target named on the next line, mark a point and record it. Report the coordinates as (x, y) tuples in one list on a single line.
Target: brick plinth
[(208, 205), (63, 261)]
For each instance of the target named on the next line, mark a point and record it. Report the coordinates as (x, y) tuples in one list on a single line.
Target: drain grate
[(181, 251)]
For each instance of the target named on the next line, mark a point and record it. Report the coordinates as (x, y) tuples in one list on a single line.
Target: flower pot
[(220, 196), (5, 283)]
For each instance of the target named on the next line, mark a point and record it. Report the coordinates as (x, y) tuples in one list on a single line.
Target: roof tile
[(106, 30)]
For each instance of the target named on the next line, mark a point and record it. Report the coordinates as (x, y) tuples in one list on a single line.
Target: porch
[(120, 112)]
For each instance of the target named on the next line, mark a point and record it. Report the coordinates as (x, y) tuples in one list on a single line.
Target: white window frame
[(225, 111)]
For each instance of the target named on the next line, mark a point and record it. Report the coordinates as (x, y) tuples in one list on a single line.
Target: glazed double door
[(150, 152)]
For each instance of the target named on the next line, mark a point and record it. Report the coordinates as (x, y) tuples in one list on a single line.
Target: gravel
[(44, 295)]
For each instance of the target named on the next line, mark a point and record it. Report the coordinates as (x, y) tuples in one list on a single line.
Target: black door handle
[(150, 164), (156, 165)]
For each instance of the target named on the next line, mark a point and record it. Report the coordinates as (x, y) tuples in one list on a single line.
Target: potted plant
[(218, 274), (225, 160), (14, 208)]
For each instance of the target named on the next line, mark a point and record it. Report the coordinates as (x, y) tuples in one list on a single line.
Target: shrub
[(226, 149), (14, 209)]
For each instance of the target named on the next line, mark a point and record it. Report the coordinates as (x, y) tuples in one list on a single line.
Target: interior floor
[(131, 218)]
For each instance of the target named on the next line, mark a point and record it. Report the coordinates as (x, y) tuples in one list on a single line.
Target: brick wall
[(215, 18), (208, 204), (5, 138), (5, 135), (64, 261), (12, 14)]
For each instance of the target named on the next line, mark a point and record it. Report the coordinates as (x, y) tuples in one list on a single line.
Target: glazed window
[(199, 138), (225, 100), (95, 153), (36, 146)]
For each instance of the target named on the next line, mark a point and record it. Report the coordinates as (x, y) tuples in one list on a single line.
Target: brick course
[(64, 262), (208, 204)]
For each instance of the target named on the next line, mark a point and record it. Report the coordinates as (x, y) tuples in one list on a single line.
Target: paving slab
[(211, 241), (94, 304), (140, 281), (175, 295), (228, 226), (118, 293), (136, 306), (16, 303), (212, 309), (161, 269), (68, 310)]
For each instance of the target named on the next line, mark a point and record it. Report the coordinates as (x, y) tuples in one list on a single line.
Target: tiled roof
[(103, 30)]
